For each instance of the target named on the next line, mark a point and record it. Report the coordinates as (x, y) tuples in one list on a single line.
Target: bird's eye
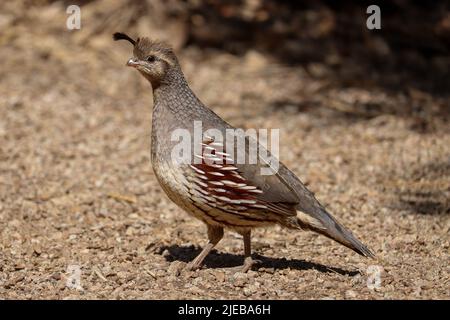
[(151, 59)]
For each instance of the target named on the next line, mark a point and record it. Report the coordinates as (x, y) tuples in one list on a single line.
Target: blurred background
[(364, 118)]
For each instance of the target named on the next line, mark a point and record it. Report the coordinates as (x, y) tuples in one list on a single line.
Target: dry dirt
[(77, 189)]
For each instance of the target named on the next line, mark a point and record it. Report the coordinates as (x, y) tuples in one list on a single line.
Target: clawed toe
[(192, 266), (248, 264)]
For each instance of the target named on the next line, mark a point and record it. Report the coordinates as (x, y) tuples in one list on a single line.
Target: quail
[(235, 196)]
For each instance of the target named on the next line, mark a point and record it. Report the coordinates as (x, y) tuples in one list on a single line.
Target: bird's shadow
[(226, 260)]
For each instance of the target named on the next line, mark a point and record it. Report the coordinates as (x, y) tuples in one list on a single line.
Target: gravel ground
[(78, 195)]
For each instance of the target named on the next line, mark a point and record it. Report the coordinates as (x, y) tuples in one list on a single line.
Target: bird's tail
[(323, 223)]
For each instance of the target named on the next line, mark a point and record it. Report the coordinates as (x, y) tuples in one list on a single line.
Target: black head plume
[(123, 36)]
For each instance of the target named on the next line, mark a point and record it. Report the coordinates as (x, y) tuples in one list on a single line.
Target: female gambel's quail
[(222, 195)]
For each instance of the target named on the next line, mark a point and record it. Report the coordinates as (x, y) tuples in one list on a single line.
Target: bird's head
[(152, 59)]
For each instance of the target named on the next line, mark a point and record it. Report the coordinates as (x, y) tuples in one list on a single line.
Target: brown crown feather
[(144, 46)]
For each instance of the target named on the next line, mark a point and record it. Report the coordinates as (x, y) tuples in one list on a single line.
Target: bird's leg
[(248, 261), (215, 234)]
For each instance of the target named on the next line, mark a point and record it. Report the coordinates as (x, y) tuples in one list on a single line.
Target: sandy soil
[(77, 191)]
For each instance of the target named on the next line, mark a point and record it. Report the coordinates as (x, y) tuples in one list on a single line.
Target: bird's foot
[(193, 265), (248, 264)]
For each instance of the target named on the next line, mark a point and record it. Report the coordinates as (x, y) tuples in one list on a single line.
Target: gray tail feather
[(333, 230)]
